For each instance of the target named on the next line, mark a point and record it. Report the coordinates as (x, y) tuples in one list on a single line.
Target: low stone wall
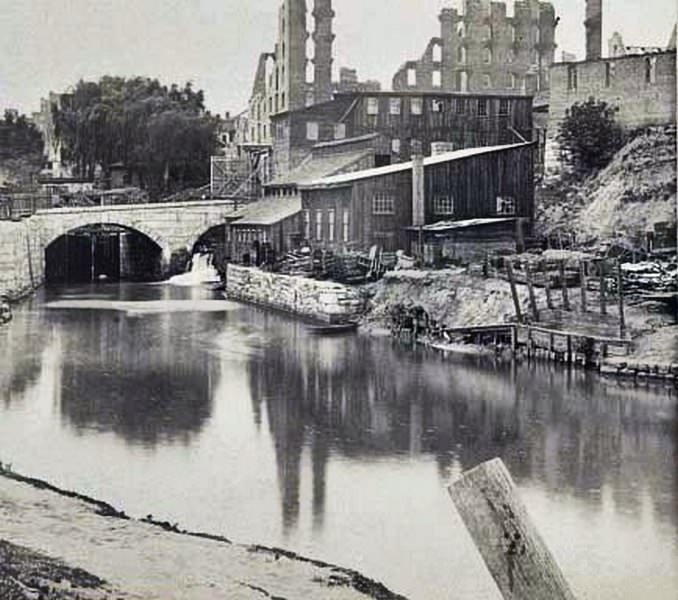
[(326, 301), (21, 259)]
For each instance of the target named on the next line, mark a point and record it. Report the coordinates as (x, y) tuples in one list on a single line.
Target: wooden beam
[(582, 281), (603, 290), (563, 284), (530, 289), (620, 293), (514, 552), (547, 289), (514, 291)]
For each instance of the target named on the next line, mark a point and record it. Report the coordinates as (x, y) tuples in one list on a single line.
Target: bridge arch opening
[(216, 243), (103, 252)]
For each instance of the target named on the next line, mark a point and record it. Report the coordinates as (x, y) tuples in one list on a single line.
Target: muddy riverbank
[(60, 544)]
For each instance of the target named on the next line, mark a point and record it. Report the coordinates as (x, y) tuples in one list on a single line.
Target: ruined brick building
[(483, 49)]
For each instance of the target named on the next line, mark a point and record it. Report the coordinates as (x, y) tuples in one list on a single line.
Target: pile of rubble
[(655, 276)]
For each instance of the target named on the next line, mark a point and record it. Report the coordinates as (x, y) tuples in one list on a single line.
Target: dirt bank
[(119, 557)]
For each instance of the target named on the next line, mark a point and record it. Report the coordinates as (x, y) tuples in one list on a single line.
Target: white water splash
[(200, 272)]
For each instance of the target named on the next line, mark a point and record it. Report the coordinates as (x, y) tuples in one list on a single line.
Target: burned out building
[(438, 120), (484, 49), (386, 206)]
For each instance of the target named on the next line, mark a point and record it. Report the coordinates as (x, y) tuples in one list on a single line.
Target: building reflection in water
[(362, 399)]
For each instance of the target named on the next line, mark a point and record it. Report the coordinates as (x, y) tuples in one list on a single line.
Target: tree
[(160, 133), (590, 135)]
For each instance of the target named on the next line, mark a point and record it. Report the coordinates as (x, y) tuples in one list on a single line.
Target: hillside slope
[(627, 198)]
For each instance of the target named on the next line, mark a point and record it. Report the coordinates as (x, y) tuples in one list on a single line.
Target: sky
[(51, 44)]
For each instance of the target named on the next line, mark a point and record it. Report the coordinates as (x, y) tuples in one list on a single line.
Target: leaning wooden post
[(514, 552), (582, 281), (620, 292), (530, 290), (514, 291), (547, 289), (563, 283)]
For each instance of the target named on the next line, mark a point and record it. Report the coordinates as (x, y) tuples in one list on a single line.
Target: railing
[(19, 206)]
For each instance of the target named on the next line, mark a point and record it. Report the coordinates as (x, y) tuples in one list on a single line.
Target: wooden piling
[(582, 281), (514, 552), (514, 291), (603, 290), (547, 289), (620, 293), (530, 290), (563, 283)]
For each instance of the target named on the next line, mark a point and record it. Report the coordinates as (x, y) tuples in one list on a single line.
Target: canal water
[(228, 419)]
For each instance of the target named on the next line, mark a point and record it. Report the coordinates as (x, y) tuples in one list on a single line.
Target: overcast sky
[(51, 44)]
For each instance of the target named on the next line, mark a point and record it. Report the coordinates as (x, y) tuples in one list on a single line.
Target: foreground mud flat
[(57, 544)]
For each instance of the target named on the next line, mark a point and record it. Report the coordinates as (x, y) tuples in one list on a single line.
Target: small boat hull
[(332, 329)]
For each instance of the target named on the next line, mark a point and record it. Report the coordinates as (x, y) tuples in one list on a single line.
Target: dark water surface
[(232, 420)]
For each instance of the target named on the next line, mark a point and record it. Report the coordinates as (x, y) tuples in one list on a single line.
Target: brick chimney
[(594, 29), (323, 39), (418, 215)]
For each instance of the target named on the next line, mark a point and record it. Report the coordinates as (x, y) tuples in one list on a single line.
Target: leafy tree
[(590, 135), (162, 134), (18, 135)]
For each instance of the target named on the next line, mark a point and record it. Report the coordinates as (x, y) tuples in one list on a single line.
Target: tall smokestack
[(322, 61), (594, 29), (418, 215)]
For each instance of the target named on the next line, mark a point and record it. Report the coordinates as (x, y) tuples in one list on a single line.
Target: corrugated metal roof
[(267, 212), (313, 168), (406, 166)]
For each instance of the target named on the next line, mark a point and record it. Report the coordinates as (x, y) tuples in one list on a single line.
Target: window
[(487, 81), (506, 205), (482, 107), (310, 72), (345, 225), (395, 146), (307, 224), (330, 218), (461, 30), (437, 106), (383, 204), (572, 77), (487, 32), (417, 106), (487, 56), (394, 106), (463, 81), (513, 83), (310, 100), (461, 106), (373, 106), (461, 55), (340, 131), (651, 70), (509, 57), (318, 225), (312, 131), (437, 53), (513, 34), (608, 74), (443, 205), (503, 106), (437, 79), (411, 77)]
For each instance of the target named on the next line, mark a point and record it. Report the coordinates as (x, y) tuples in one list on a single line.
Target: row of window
[(512, 81), (325, 224), (247, 236), (458, 105), (443, 205), (650, 70)]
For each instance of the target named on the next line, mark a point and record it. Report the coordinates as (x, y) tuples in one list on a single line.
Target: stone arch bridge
[(174, 227)]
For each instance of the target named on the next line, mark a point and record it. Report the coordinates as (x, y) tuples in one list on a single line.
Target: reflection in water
[(570, 431), (339, 448)]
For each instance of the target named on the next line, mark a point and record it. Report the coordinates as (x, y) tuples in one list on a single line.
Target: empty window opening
[(437, 53), (330, 221), (310, 72), (461, 106), (437, 106), (345, 225), (307, 224), (411, 77), (608, 74), (437, 79), (395, 146), (487, 81), (506, 205), (463, 81), (482, 107), (572, 77), (513, 82), (318, 225), (383, 204), (487, 56), (416, 106), (461, 55), (373, 106), (340, 131), (651, 70), (503, 106), (461, 30)]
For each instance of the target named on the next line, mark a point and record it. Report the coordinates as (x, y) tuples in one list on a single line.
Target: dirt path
[(135, 559)]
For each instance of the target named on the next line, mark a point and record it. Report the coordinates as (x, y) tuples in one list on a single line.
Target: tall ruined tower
[(292, 55), (594, 29), (322, 60)]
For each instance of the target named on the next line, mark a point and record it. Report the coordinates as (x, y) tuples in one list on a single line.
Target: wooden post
[(547, 289), (530, 289), (620, 292), (582, 281), (563, 284), (513, 551), (569, 349), (514, 291), (514, 339), (603, 290)]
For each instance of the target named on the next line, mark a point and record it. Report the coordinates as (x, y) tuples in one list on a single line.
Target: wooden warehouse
[(379, 206)]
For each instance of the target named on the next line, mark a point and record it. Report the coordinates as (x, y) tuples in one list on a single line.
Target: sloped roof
[(312, 167), (267, 212), (347, 178), (464, 224)]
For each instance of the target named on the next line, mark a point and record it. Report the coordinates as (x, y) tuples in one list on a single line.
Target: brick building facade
[(483, 49)]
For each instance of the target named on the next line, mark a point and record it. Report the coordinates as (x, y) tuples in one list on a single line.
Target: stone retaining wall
[(326, 301), (21, 259)]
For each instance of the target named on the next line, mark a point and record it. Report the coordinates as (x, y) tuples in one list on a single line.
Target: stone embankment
[(320, 300), (21, 259), (83, 548)]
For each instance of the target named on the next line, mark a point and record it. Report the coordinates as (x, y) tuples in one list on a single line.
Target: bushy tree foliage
[(162, 134), (590, 135), (18, 135)]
